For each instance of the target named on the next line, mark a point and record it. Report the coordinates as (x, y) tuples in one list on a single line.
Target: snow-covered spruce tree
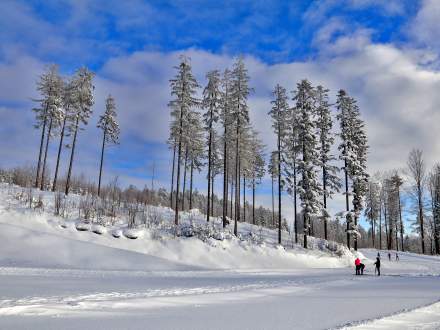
[(434, 182), (240, 118), (279, 116), (196, 150), (343, 105), (55, 117), (183, 90), (80, 112), (357, 165), (392, 211), (353, 149), (290, 156), (273, 171), (68, 103), (172, 143), (330, 180), (216, 164), (309, 188), (49, 112), (211, 103), (246, 158), (417, 171), (397, 182), (257, 169), (372, 208), (225, 117), (110, 131)]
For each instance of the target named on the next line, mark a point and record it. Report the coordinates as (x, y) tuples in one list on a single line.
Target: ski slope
[(59, 278)]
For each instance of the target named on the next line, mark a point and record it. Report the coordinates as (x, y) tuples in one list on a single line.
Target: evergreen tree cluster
[(63, 110), (214, 131)]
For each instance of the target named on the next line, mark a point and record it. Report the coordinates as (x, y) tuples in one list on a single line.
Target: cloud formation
[(396, 85)]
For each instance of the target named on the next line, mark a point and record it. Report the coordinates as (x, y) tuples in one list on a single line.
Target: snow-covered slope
[(40, 239), (53, 276)]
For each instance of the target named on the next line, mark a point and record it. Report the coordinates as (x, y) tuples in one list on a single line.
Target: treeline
[(215, 131), (112, 194), (385, 209)]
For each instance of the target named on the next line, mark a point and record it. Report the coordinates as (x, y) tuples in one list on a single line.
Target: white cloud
[(425, 26), (397, 93)]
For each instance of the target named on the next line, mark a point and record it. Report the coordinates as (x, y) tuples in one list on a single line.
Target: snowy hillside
[(40, 233), (54, 276)]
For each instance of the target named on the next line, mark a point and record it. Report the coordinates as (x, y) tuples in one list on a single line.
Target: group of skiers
[(360, 266)]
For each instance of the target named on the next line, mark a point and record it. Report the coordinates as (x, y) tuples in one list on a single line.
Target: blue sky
[(385, 53)]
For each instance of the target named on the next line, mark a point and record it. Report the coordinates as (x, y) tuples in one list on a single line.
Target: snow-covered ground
[(53, 277), (421, 318)]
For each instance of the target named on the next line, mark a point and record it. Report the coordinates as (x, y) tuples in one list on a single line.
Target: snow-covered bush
[(87, 206), (82, 226), (132, 233), (98, 229), (186, 230), (117, 233)]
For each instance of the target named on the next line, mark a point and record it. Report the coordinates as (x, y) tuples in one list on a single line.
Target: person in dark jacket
[(377, 264)]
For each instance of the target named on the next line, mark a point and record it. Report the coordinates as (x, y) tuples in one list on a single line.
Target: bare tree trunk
[(232, 197), (253, 201), (279, 185), (209, 173), (356, 236), (60, 147), (347, 204), (306, 212), (45, 154), (102, 161), (179, 156), (184, 179), (237, 180), (273, 205), (212, 195), (238, 190), (324, 184), (244, 198), (72, 153), (43, 132), (225, 179), (172, 175), (401, 222), (191, 186), (386, 225), (380, 226), (295, 202), (422, 232)]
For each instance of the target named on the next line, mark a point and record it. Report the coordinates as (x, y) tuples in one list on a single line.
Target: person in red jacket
[(357, 263)]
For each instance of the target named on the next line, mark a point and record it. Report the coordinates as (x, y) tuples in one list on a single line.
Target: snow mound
[(98, 229), (132, 233), (82, 226)]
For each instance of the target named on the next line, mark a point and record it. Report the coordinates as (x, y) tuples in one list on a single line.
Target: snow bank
[(426, 318), (208, 246)]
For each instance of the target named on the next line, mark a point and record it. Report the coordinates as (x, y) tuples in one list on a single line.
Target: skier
[(377, 264), (397, 257), (389, 256), (362, 267), (357, 263)]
